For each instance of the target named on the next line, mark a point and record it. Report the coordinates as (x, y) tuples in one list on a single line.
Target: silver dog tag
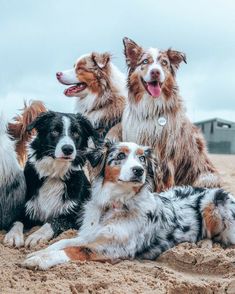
[(162, 121)]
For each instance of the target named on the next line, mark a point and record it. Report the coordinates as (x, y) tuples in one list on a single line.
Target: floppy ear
[(88, 128), (97, 157), (101, 60), (132, 52), (176, 57), (41, 121)]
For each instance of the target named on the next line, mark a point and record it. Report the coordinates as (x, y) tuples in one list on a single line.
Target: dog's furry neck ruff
[(113, 195)]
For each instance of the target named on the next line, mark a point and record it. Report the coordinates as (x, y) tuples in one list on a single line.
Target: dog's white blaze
[(69, 77), (66, 139), (126, 172), (155, 65)]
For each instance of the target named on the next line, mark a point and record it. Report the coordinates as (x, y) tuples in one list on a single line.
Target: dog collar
[(162, 121)]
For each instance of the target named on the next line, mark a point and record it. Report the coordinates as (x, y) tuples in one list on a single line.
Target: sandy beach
[(187, 268)]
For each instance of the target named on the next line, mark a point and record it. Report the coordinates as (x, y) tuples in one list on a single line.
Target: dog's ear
[(41, 121), (132, 52), (101, 59), (97, 156), (88, 129), (176, 57)]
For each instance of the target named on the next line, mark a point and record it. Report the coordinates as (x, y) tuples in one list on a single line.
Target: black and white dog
[(124, 220), (12, 181), (56, 184)]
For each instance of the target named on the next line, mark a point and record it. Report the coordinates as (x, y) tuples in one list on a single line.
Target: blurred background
[(39, 38)]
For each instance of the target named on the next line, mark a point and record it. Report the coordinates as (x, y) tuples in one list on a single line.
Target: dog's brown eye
[(142, 158), (164, 62), (55, 133), (121, 156), (145, 61), (75, 135)]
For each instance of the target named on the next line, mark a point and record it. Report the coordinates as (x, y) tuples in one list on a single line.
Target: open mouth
[(75, 89), (153, 88)]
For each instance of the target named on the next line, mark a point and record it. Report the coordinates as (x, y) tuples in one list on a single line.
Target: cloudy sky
[(41, 37)]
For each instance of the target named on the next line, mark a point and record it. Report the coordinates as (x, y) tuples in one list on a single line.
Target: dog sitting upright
[(99, 88), (56, 184), (155, 116), (12, 181), (124, 220)]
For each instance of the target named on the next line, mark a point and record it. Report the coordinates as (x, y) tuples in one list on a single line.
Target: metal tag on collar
[(162, 121)]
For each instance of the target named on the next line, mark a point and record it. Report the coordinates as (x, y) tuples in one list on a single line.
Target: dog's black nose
[(67, 149), (138, 171)]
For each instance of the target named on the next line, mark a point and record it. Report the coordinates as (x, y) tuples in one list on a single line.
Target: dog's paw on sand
[(14, 239)]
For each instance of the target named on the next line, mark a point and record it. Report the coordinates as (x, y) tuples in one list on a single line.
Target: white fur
[(66, 139), (45, 233), (9, 165), (154, 66), (69, 77), (15, 236), (49, 202)]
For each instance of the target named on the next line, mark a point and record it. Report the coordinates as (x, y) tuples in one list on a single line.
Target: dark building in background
[(219, 134)]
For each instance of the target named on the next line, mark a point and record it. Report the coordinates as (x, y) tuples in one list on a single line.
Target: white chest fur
[(49, 202)]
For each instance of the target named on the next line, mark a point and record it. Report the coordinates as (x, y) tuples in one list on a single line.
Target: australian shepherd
[(99, 88), (124, 220), (56, 184), (155, 116), (12, 181)]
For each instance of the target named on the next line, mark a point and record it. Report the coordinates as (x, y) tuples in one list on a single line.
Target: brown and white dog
[(100, 89), (18, 128), (155, 116)]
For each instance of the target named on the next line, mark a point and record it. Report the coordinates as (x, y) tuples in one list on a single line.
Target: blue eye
[(142, 158), (121, 156), (145, 61)]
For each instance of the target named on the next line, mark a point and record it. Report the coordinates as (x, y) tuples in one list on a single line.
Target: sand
[(187, 268)]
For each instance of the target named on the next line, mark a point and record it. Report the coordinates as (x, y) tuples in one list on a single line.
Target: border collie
[(155, 116), (18, 128), (56, 184), (100, 89), (12, 183), (124, 220)]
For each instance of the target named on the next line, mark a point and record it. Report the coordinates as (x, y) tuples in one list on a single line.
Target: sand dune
[(187, 268)]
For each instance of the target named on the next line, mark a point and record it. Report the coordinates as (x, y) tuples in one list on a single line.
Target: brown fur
[(179, 146), (106, 111), (111, 174), (212, 221), (17, 129)]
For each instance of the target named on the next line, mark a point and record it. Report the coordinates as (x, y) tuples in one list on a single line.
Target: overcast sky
[(41, 37)]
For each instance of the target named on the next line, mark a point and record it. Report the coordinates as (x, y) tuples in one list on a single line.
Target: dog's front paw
[(35, 262), (45, 233), (15, 237), (44, 259)]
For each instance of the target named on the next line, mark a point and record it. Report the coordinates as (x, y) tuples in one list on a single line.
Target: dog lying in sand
[(155, 116), (124, 220)]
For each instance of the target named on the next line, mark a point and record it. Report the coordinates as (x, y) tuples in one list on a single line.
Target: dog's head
[(123, 163), (61, 136), (151, 71), (89, 75)]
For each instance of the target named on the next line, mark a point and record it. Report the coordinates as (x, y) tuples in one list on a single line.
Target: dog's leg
[(45, 233), (115, 133), (209, 180), (15, 236), (55, 257)]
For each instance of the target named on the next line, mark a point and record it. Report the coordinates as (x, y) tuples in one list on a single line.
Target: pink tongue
[(154, 90)]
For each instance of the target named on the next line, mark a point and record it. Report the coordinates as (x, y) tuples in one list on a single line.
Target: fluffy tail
[(18, 128)]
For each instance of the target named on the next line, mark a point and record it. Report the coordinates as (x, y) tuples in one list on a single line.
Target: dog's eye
[(142, 158), (55, 133), (121, 156), (164, 62), (75, 135), (145, 61)]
